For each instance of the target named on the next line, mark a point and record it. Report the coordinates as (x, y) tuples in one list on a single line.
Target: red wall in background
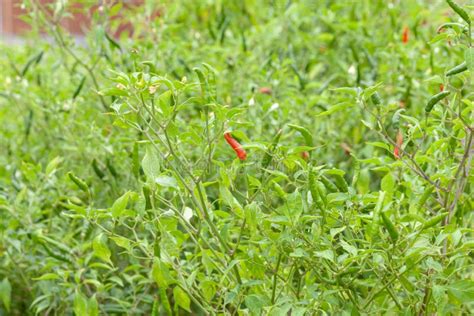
[(12, 25), (10, 11)]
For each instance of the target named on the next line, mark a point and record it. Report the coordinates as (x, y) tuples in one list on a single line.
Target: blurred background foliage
[(96, 217)]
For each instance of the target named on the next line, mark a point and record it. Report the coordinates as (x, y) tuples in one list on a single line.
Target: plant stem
[(275, 278)]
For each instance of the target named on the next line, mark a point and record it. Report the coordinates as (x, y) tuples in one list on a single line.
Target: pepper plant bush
[(344, 187)]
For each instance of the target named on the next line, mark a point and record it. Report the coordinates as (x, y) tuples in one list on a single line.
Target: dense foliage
[(351, 191)]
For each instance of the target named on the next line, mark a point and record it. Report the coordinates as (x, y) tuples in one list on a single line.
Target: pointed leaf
[(181, 298), (151, 164), (5, 293), (101, 250), (119, 205)]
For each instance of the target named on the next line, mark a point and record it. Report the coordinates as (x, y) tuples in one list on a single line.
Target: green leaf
[(349, 248), (166, 181), (439, 297), (348, 90), (166, 101), (33, 60), (304, 132), (182, 299), (469, 57), (121, 242), (379, 144), (251, 212), (115, 9), (439, 37), (208, 288), (114, 91), (101, 250), (294, 205), (92, 307), (53, 165), (151, 164), (47, 276), (161, 274), (335, 108), (388, 183), (462, 290), (406, 283), (298, 253), (228, 198), (112, 42), (119, 205), (188, 213), (5, 293), (254, 303), (79, 88), (80, 304), (326, 254)]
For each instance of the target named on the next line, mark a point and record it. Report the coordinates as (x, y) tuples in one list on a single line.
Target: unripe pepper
[(235, 146), (331, 187), (392, 230), (456, 70), (267, 158), (341, 183), (435, 99), (376, 98), (434, 220), (315, 191), (78, 182)]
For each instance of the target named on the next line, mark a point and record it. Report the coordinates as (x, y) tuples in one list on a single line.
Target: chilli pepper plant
[(238, 158)]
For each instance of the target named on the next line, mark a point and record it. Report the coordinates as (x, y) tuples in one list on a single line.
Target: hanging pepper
[(399, 142), (305, 155), (235, 146), (405, 35), (347, 149), (265, 90)]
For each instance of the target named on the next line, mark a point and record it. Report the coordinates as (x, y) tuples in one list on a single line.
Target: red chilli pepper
[(347, 149), (235, 146), (405, 35), (305, 155), (265, 90), (399, 142)]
